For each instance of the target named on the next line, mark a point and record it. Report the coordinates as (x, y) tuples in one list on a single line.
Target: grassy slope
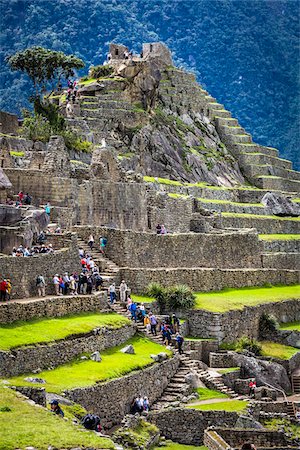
[(278, 350), (27, 425), (278, 424), (49, 330), (257, 216), (290, 326), (232, 405), (207, 394), (175, 446), (228, 299), (83, 373), (279, 237), (228, 370)]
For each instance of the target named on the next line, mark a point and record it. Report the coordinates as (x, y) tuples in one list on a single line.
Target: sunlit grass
[(230, 405), (290, 326), (278, 350)]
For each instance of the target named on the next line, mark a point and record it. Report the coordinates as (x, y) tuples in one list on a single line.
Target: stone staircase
[(108, 269), (296, 383), (216, 383)]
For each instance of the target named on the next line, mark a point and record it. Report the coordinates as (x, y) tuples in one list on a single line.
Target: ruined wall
[(203, 279), (23, 271), (29, 359), (8, 123), (187, 426), (112, 400), (133, 249), (52, 307)]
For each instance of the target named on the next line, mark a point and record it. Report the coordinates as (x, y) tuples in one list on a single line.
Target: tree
[(44, 66)]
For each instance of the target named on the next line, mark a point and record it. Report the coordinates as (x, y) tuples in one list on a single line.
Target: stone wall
[(282, 246), (262, 438), (187, 426), (8, 123), (201, 349), (52, 307), (24, 271), (234, 324), (133, 249), (220, 359), (112, 400), (263, 225), (282, 260), (43, 356), (205, 279)]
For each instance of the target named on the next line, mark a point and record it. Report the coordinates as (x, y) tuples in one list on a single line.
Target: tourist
[(166, 333), (27, 199), (158, 228), (92, 422), (248, 446), (143, 310), (81, 252), (91, 264), (103, 243), (112, 293), (41, 238), (129, 301), (147, 324), (97, 280), (8, 288), (21, 196), (40, 284), (122, 291), (61, 285), (14, 252), (66, 280), (163, 230), (146, 404), (252, 386), (82, 283), (91, 241), (132, 309), (175, 322), (89, 288), (56, 284), (179, 340), (56, 409), (153, 323), (72, 285), (48, 209), (3, 290)]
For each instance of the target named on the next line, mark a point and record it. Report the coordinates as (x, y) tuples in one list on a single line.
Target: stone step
[(237, 138), (219, 113), (263, 224), (224, 130), (257, 158), (226, 121), (254, 148)]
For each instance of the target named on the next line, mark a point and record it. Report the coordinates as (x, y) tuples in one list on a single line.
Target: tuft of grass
[(17, 154), (279, 424), (40, 331), (26, 425), (290, 326), (229, 299), (228, 370), (279, 237), (230, 405), (257, 216), (207, 394), (162, 181), (84, 373), (276, 350)]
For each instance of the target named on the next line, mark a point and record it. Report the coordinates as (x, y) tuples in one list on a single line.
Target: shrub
[(100, 71), (249, 344), (174, 297), (267, 323), (36, 128), (74, 142)]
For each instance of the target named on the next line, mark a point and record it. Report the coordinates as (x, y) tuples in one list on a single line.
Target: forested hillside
[(244, 52)]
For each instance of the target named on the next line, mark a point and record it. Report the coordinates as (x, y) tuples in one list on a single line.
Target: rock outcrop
[(280, 205)]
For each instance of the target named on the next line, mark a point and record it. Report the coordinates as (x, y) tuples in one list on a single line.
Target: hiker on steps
[(40, 284), (91, 241), (102, 243), (153, 324), (179, 340), (112, 293), (123, 288)]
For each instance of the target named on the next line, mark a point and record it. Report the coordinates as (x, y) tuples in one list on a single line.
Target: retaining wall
[(52, 307), (112, 400), (263, 225), (53, 354)]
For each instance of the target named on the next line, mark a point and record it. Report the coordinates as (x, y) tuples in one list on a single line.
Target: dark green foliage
[(5, 409), (267, 324), (249, 344), (100, 71), (74, 142), (36, 128), (174, 297)]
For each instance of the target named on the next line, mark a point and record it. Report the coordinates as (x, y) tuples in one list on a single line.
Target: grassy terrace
[(84, 373), (229, 299), (230, 405), (290, 326), (228, 370), (142, 299), (278, 350), (279, 237), (40, 331), (257, 216), (169, 445), (23, 425), (208, 394)]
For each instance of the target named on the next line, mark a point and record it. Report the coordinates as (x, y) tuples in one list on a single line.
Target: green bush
[(74, 142), (36, 128), (174, 297), (100, 71), (267, 323), (249, 344)]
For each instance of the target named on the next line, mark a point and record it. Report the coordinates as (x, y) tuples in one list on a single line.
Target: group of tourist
[(5, 289), (32, 251), (75, 284), (161, 229), (22, 200), (139, 405), (102, 243)]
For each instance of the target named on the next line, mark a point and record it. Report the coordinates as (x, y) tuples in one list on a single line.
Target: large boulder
[(279, 205), (128, 349), (90, 88), (247, 422), (96, 357), (265, 372), (4, 181)]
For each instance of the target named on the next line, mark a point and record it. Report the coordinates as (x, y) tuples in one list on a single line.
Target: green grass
[(276, 350), (257, 216), (15, 153), (227, 202), (228, 370), (83, 373), (191, 338), (40, 331), (279, 424), (175, 446), (142, 299), (26, 425), (162, 181), (207, 394), (230, 405), (172, 195), (290, 326), (229, 299), (279, 237)]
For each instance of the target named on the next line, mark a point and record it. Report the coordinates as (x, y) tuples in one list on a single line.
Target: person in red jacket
[(3, 290)]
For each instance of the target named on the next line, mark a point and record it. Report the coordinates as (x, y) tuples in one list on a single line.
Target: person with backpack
[(91, 241), (3, 290), (56, 409), (103, 243), (40, 284), (153, 323), (175, 323), (91, 422), (132, 309), (82, 284), (179, 340)]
